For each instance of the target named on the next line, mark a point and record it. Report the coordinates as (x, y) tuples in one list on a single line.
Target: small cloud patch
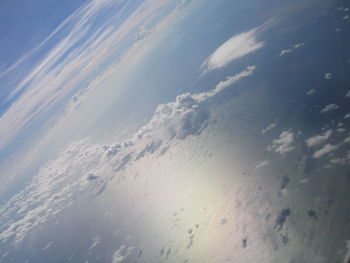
[(329, 107), (283, 144)]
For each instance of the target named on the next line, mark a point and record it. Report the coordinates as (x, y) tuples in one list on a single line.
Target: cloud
[(347, 94), (347, 140), (318, 139), (329, 107), (347, 116), (283, 144), (236, 47), (346, 17), (269, 127), (328, 148), (347, 256), (262, 164), (341, 161), (328, 76), (84, 167), (289, 50), (86, 42), (310, 92), (121, 254)]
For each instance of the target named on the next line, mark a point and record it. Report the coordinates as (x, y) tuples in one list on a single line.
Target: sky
[(198, 112), (43, 64)]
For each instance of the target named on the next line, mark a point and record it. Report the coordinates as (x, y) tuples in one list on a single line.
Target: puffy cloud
[(328, 76), (283, 144), (329, 107), (310, 92), (318, 139), (84, 167), (269, 127), (289, 50), (347, 116), (346, 17), (328, 148), (236, 47), (121, 254)]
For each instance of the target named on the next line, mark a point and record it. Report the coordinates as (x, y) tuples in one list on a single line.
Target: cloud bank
[(86, 168)]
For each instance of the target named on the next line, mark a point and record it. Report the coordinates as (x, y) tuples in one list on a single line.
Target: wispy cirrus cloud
[(86, 39)]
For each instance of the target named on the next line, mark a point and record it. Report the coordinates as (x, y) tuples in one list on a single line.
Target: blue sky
[(51, 49)]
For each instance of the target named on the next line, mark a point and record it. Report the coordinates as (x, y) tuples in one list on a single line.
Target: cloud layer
[(87, 168)]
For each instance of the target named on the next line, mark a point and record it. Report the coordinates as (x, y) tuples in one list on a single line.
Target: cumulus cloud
[(347, 116), (121, 254), (346, 17), (328, 148), (282, 144), (84, 167), (269, 127), (329, 107), (236, 47), (289, 50), (318, 139), (328, 76)]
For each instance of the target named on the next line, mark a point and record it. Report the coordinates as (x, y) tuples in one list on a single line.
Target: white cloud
[(80, 50), (310, 92), (347, 116), (95, 242), (289, 50), (318, 139), (341, 161), (285, 51), (75, 170), (328, 148), (347, 140), (234, 48), (269, 127), (47, 246), (347, 94), (328, 76), (283, 144), (121, 254), (346, 17), (262, 164), (329, 107)]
